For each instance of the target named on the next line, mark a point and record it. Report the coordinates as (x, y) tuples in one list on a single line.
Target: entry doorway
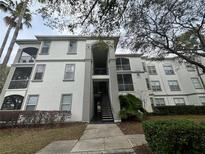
[(102, 108)]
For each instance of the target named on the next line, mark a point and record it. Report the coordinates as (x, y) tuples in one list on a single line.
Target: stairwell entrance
[(102, 107)]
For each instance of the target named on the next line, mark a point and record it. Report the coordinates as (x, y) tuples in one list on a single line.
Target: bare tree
[(157, 27)]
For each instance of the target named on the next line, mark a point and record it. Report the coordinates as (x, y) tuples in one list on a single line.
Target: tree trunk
[(15, 35), (5, 40)]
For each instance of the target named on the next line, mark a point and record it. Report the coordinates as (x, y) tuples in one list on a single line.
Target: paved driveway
[(96, 139)]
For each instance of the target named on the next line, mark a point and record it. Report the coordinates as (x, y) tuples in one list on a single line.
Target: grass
[(31, 140), (134, 127)]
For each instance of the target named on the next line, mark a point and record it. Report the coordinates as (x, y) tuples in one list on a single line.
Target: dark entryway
[(102, 108)]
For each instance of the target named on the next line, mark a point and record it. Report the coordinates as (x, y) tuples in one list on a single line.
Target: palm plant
[(14, 9), (131, 108)]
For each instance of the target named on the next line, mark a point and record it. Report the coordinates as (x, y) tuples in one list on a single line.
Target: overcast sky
[(38, 28)]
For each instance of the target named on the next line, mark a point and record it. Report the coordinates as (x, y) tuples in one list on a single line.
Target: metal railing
[(18, 84), (26, 59), (125, 87), (100, 71)]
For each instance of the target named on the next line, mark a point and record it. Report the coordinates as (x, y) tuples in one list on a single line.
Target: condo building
[(85, 75)]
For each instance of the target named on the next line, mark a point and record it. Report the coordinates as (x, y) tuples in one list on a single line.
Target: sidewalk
[(96, 139)]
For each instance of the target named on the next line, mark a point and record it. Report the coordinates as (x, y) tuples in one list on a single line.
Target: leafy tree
[(153, 27), (14, 10)]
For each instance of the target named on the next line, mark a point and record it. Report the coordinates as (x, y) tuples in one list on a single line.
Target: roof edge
[(27, 41)]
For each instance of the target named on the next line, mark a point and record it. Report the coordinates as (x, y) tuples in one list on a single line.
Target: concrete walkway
[(97, 139)]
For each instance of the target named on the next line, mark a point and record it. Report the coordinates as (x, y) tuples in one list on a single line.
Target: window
[(125, 82), (159, 101), (144, 66), (123, 64), (152, 70), (155, 85), (32, 102), (69, 72), (202, 100), (66, 102), (72, 47), (168, 70), (179, 101), (173, 85), (45, 48), (196, 83), (147, 83), (190, 67), (20, 78), (40, 69)]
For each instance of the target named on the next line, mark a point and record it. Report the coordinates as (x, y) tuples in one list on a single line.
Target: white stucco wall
[(52, 87)]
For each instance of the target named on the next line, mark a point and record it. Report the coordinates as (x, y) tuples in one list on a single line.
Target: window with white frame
[(168, 70), (159, 101), (31, 102), (125, 82), (123, 64), (45, 48), (152, 70), (179, 101), (69, 72), (72, 47), (196, 83), (173, 85), (66, 102), (39, 72), (155, 85), (202, 99)]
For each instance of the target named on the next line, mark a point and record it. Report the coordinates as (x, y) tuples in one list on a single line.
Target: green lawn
[(136, 127), (31, 140)]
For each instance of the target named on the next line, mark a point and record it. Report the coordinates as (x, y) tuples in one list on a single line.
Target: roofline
[(128, 55), (27, 41), (76, 37)]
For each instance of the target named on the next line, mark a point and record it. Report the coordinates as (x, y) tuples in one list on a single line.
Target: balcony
[(28, 55), (100, 59), (20, 78), (26, 59), (100, 71), (18, 84), (125, 87)]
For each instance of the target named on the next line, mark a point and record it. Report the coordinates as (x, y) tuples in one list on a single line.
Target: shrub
[(175, 137), (178, 110), (131, 107), (31, 118)]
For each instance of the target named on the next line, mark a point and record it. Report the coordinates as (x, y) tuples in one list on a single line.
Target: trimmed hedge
[(32, 118), (178, 110), (175, 137)]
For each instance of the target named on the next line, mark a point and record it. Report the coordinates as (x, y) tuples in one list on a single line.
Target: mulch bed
[(131, 127), (142, 149)]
